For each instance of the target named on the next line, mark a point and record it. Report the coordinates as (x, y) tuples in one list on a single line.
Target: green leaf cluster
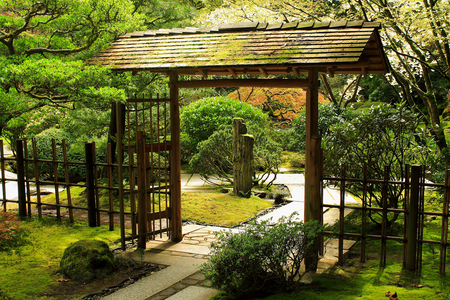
[(262, 258)]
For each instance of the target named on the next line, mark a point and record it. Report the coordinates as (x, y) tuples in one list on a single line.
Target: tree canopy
[(415, 35)]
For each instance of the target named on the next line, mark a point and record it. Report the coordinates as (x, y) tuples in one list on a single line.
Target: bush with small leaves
[(262, 258)]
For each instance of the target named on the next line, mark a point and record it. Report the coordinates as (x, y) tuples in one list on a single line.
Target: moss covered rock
[(87, 260)]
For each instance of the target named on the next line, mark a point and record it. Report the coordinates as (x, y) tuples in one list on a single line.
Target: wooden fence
[(30, 202), (413, 212)]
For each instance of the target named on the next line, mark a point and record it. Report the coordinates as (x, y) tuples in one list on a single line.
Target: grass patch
[(367, 280), (208, 208), (30, 271), (293, 160), (220, 209)]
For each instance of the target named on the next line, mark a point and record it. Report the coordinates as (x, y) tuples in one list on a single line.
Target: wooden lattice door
[(149, 133)]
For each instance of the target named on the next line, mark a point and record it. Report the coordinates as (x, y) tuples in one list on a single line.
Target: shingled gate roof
[(251, 48)]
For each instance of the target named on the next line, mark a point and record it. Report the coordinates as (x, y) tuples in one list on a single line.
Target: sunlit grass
[(30, 271), (220, 209)]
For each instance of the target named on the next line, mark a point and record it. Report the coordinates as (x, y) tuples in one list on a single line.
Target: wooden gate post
[(20, 179), (90, 187), (413, 209), (313, 205), (242, 159), (142, 190), (175, 160)]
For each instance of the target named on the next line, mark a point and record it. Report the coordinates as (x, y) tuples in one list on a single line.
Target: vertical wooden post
[(405, 209), (242, 159), (21, 179), (142, 190), (175, 160), (120, 119), (36, 176), (341, 217), (28, 192), (444, 230), (364, 216), (2, 159), (312, 155), (411, 231), (55, 179), (66, 175), (384, 199), (89, 158)]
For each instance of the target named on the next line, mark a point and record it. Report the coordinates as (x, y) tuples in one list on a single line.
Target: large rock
[(87, 260)]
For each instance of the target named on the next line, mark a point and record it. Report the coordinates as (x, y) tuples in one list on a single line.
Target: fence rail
[(413, 211), (26, 198)]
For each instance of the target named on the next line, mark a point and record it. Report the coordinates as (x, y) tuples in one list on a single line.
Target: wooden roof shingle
[(247, 48)]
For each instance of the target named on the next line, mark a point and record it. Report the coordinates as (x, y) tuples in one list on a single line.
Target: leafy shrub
[(380, 136), (261, 258), (11, 235), (200, 119), (293, 159), (329, 114), (214, 160), (75, 152)]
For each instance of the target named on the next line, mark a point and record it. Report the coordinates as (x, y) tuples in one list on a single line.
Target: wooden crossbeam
[(233, 73), (264, 72), (281, 83)]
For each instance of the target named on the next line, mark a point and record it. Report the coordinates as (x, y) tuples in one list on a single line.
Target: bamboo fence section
[(414, 216), (148, 177)]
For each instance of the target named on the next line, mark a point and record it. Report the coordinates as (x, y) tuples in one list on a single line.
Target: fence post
[(142, 190), (89, 156), (413, 209), (444, 230), (21, 179)]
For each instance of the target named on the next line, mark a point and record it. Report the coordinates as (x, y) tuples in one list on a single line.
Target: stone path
[(182, 280)]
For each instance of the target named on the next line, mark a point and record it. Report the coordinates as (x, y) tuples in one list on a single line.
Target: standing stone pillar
[(242, 159)]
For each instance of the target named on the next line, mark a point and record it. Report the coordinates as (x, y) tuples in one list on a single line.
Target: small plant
[(11, 235), (264, 257)]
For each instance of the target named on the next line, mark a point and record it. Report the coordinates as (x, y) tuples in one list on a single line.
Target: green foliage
[(200, 119), (329, 114), (12, 236), (75, 153), (293, 159), (207, 138), (261, 258), (214, 159), (386, 139)]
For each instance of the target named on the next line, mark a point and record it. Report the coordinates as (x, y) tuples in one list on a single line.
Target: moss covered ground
[(31, 271)]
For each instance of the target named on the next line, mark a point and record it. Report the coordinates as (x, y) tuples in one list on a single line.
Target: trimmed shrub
[(200, 119)]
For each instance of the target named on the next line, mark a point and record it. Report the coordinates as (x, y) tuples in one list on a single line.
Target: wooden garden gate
[(149, 146)]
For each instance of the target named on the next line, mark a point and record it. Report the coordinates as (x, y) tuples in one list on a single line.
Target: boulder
[(87, 260)]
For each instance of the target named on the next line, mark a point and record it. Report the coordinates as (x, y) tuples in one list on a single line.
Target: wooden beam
[(330, 71), (233, 73), (203, 73), (296, 72), (264, 72), (364, 72), (281, 83), (175, 160)]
